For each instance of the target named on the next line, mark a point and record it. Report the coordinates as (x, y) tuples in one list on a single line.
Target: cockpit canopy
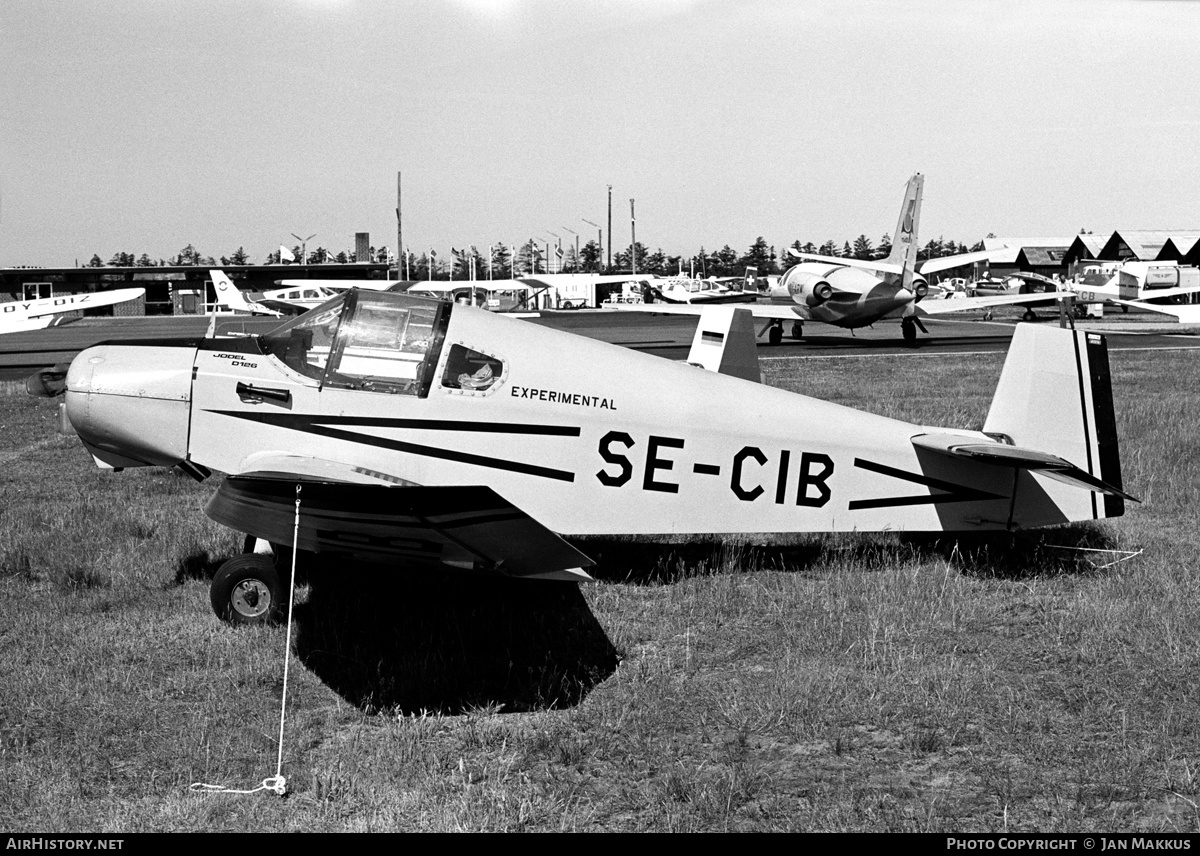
[(380, 342)]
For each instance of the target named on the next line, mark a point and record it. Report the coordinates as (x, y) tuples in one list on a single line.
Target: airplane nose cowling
[(131, 404)]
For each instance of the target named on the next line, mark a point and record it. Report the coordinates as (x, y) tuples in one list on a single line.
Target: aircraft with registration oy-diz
[(852, 293), (442, 437), (20, 315)]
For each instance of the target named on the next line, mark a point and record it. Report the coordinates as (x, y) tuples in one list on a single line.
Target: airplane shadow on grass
[(407, 641), (387, 638)]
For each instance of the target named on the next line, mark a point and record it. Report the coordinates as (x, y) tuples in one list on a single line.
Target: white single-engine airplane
[(295, 298), (19, 315), (852, 293), (393, 428)]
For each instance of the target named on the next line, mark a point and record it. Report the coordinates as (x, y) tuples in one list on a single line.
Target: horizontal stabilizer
[(1004, 455), (846, 261), (462, 528)]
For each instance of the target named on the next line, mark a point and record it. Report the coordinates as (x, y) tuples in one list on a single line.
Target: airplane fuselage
[(586, 437), (859, 298)]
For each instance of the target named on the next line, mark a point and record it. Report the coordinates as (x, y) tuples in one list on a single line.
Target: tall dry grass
[(818, 683)]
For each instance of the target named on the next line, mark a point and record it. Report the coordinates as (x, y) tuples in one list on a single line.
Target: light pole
[(632, 239), (609, 266), (304, 246), (576, 234), (599, 240)]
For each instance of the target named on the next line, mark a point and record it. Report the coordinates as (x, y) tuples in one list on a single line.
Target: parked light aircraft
[(855, 293), (1136, 283), (495, 295), (295, 298), (444, 437), (19, 315), (1020, 283), (681, 289)]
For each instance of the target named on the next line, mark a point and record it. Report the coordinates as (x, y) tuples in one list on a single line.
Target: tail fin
[(229, 296), (1055, 395), (904, 241), (724, 343)]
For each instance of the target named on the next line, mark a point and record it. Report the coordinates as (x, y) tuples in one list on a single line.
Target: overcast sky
[(142, 125)]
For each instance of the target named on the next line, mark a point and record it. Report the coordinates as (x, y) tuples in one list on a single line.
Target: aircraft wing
[(781, 311), (963, 304), (68, 303), (448, 527), (948, 262), (866, 264), (340, 284), (1185, 313), (282, 306)]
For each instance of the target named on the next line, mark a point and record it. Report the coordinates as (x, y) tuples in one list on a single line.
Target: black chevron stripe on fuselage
[(334, 428)]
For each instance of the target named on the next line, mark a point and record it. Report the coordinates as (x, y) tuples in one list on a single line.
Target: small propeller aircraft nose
[(130, 404)]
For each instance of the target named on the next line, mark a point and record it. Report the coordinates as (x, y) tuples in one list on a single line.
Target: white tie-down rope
[(1125, 555), (276, 783)]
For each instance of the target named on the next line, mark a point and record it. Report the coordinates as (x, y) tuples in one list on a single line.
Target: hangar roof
[(1145, 245), (1177, 247), (1006, 250)]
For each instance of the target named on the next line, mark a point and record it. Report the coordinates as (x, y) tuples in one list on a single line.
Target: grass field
[(824, 683)]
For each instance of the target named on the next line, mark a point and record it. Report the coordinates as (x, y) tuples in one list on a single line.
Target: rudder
[(1055, 395)]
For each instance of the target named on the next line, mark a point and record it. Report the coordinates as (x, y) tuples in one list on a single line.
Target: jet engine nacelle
[(808, 287)]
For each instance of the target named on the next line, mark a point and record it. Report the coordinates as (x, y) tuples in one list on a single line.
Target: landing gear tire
[(1029, 316), (247, 590), (797, 330), (987, 315), (775, 334), (908, 329)]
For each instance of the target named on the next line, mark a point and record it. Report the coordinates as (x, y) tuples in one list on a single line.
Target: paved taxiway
[(663, 335)]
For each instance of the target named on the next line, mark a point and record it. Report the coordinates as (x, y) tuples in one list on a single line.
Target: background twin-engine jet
[(854, 293)]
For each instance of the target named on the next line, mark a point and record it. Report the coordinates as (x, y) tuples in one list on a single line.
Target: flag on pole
[(285, 255)]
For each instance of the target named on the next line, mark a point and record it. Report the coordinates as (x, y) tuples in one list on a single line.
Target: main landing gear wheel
[(797, 330), (1029, 316), (775, 334), (247, 590), (908, 328)]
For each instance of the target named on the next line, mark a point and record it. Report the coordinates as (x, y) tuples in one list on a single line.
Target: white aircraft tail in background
[(47, 311), (231, 299)]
